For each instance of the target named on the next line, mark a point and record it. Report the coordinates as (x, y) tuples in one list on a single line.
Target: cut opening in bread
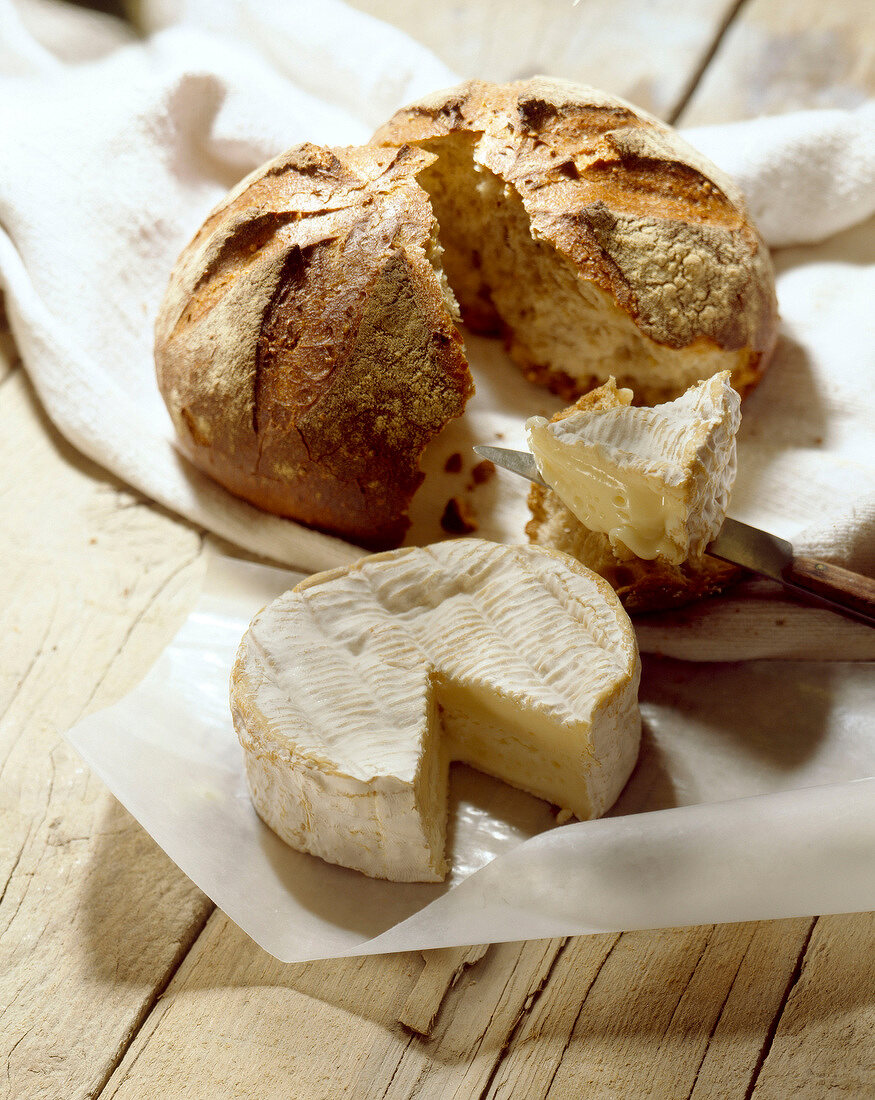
[(562, 329)]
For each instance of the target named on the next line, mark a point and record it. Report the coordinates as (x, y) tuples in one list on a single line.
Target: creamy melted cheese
[(656, 481), (352, 693)]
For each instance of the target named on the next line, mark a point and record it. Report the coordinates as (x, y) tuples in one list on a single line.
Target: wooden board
[(93, 916), (646, 52), (118, 978), (778, 57)]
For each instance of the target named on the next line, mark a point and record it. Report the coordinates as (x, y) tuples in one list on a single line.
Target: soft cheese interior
[(656, 481), (352, 694)]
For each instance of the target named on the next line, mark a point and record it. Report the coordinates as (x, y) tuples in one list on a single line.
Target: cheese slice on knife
[(352, 693), (655, 480)]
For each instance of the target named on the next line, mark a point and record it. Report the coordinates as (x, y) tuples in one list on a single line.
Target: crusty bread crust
[(635, 210), (306, 345)]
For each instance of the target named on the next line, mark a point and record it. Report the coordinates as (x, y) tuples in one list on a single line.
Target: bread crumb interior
[(563, 330)]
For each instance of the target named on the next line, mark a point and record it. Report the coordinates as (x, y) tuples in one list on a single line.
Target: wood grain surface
[(118, 978), (649, 53), (778, 56)]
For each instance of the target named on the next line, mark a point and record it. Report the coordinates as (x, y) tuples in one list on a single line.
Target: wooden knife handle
[(833, 583)]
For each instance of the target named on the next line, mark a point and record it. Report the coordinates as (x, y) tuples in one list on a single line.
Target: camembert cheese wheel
[(352, 693), (656, 481)]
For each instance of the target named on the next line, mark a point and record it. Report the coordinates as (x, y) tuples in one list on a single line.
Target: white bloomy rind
[(352, 693), (656, 481)]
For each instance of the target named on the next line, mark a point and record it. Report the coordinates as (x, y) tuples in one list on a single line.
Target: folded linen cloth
[(116, 149)]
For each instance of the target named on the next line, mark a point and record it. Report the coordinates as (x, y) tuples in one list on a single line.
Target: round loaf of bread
[(594, 237), (306, 345)]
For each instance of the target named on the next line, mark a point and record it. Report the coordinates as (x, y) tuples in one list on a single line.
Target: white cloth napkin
[(115, 148)]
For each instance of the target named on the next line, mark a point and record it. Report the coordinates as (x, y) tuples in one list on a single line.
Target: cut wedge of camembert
[(655, 480), (352, 693)]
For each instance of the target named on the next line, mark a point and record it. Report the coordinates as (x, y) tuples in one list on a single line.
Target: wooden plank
[(656, 1015), (476, 1023), (535, 1050), (734, 1050), (788, 55), (347, 1040), (236, 1019), (443, 968), (93, 916), (824, 1044), (645, 52)]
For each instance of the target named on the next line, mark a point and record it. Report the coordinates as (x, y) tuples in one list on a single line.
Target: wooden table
[(118, 978)]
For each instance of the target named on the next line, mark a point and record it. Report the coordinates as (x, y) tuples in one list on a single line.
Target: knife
[(817, 581)]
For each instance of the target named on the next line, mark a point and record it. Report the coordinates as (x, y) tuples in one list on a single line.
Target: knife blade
[(758, 551), (518, 462)]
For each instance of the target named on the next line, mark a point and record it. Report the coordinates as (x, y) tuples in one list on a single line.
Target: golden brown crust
[(637, 211), (305, 348), (641, 585), (607, 396)]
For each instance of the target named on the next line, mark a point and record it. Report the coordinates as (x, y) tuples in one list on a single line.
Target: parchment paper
[(749, 801)]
